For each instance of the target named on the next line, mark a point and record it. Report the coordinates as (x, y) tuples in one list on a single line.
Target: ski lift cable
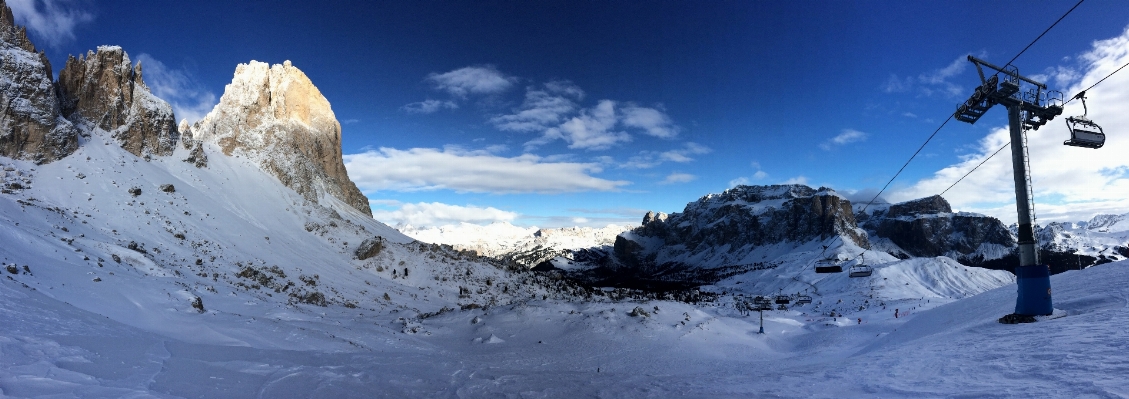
[(927, 140), (903, 168), (1005, 145), (974, 169), (951, 116), (1095, 84), (1044, 33)]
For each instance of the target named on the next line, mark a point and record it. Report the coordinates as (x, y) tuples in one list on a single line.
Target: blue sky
[(565, 113)]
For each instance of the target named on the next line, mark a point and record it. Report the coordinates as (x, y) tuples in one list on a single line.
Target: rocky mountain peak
[(106, 90), (722, 229), (922, 206), (1108, 223), (31, 126), (275, 116)]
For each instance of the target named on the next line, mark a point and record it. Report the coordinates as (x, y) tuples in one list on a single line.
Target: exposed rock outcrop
[(719, 229), (106, 90), (31, 125), (196, 155), (928, 227), (275, 116)]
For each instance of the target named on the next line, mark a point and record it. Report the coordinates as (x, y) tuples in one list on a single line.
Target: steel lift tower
[(1028, 109)]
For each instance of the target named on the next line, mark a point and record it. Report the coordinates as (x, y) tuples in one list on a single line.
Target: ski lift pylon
[(1083, 131)]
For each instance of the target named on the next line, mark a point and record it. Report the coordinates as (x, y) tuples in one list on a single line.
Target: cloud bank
[(453, 168)]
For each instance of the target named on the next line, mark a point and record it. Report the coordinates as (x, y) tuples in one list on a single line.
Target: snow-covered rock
[(275, 116), (31, 125), (728, 228), (928, 227), (106, 90)]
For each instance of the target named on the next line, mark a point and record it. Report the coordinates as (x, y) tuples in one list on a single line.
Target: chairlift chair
[(1084, 132), (783, 299), (828, 266), (861, 271), (803, 299)]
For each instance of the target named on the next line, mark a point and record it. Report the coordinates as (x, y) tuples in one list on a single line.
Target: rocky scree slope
[(275, 116), (31, 124)]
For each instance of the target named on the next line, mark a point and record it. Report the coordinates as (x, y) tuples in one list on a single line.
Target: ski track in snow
[(133, 333)]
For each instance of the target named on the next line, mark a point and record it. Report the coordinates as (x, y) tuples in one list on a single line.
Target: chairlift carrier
[(828, 266), (1083, 131), (861, 271)]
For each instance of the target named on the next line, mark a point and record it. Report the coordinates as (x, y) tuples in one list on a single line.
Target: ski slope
[(80, 323)]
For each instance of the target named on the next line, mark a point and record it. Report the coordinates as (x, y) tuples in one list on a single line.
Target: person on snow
[(895, 313)]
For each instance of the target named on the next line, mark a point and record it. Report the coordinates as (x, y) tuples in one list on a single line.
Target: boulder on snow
[(369, 248), (135, 191), (168, 188)]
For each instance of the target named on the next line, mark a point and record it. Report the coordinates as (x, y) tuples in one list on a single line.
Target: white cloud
[(846, 137), (51, 21), (542, 109), (553, 111), (426, 214), (743, 180), (942, 75), (932, 82), (428, 106), (484, 79), (678, 178), (471, 171), (653, 121), (650, 159), (187, 96), (1070, 183), (796, 180), (591, 130)]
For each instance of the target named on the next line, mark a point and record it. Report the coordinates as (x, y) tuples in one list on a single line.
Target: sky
[(556, 113)]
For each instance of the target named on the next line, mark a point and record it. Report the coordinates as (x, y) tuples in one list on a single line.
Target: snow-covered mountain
[(742, 226), (928, 227), (527, 246), (238, 264)]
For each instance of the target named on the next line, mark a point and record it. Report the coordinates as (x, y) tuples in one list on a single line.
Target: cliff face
[(106, 90), (275, 116), (722, 228), (928, 227), (31, 125)]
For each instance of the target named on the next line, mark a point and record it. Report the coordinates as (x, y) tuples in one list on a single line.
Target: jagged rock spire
[(30, 123), (275, 116)]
